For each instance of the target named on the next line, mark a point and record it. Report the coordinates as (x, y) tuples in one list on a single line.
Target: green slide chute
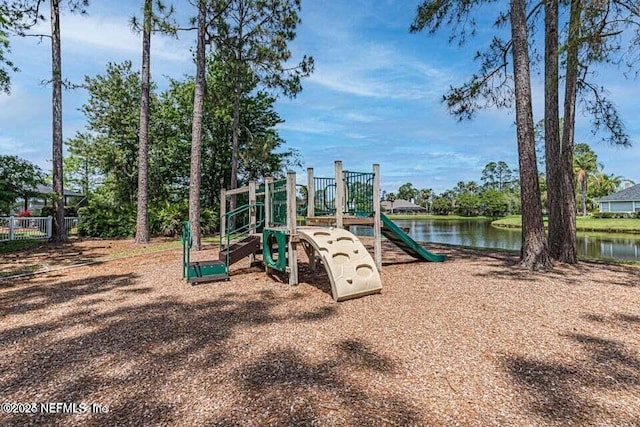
[(401, 239)]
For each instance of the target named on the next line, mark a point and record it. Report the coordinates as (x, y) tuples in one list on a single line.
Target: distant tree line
[(499, 193)]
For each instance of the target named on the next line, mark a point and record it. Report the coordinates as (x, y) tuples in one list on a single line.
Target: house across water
[(401, 206), (627, 200)]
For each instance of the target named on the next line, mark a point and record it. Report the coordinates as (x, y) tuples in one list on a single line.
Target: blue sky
[(375, 96)]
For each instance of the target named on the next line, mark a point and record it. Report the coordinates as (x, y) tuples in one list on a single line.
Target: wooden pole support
[(252, 215), (339, 195), (291, 227), (267, 201), (377, 226), (252, 202)]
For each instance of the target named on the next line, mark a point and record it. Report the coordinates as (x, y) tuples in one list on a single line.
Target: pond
[(480, 233)]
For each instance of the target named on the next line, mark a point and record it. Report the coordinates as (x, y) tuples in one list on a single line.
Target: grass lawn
[(584, 223), (438, 217)]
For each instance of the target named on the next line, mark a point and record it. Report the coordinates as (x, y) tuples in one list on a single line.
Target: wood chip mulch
[(471, 341)]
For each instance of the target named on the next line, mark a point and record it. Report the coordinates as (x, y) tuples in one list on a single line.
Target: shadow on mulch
[(506, 266), (558, 391), (22, 300), (290, 390), (616, 319), (47, 256), (140, 357)]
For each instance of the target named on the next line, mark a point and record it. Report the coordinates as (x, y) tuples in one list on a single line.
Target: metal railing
[(242, 216), (278, 208), (358, 187), (33, 228), (358, 194), (325, 196)]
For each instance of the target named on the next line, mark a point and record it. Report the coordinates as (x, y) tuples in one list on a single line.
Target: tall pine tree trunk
[(534, 254), (568, 252), (142, 226), (56, 103), (237, 95), (552, 129), (235, 139), (196, 131)]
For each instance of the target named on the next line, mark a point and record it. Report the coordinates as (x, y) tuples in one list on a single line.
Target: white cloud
[(112, 33), (349, 64), (357, 116), (311, 125), (378, 72), (12, 146)]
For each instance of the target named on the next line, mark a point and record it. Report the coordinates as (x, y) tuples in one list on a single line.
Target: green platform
[(205, 271), (199, 271)]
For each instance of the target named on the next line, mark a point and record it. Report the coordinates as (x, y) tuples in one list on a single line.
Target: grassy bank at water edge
[(584, 223)]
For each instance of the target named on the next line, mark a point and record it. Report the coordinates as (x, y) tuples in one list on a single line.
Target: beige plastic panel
[(350, 267)]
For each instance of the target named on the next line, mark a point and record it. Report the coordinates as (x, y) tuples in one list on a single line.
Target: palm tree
[(585, 163), (604, 184), (425, 196)]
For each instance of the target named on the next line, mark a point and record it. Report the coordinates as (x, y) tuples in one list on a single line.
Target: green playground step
[(207, 271)]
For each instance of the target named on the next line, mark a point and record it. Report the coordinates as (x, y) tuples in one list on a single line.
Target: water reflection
[(482, 234)]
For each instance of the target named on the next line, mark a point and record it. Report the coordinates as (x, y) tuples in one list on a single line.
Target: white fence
[(33, 228)]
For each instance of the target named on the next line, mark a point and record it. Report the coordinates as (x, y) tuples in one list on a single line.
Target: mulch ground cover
[(471, 341)]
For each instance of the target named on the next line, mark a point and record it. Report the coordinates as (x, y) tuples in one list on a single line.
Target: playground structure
[(266, 224)]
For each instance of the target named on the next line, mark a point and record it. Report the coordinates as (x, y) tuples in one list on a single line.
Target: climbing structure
[(351, 270), (265, 223)]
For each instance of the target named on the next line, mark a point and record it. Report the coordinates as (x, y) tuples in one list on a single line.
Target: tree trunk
[(568, 251), (552, 129), (534, 254), (584, 195), (142, 226), (196, 131), (237, 95), (235, 141), (56, 103)]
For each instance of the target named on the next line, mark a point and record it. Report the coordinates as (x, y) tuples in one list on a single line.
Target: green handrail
[(232, 230), (187, 241)]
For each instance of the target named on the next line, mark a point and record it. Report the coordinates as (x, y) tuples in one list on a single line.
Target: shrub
[(620, 215), (103, 218), (167, 219), (24, 214), (46, 211)]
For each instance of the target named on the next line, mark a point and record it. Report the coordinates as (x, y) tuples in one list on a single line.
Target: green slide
[(401, 239)]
